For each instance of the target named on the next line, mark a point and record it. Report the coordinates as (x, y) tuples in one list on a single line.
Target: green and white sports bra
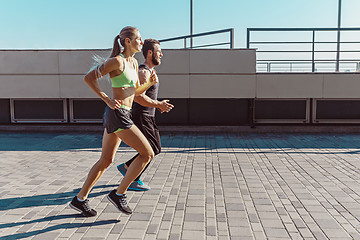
[(128, 78)]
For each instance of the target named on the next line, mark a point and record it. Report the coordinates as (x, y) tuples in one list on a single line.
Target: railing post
[(313, 53), (191, 23), (185, 42), (232, 38), (338, 39), (248, 39)]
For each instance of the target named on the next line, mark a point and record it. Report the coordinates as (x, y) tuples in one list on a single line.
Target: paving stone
[(276, 233), (190, 235), (204, 186)]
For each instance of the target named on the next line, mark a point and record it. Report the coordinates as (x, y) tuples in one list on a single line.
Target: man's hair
[(149, 45)]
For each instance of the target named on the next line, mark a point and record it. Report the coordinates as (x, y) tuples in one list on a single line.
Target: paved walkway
[(204, 186)]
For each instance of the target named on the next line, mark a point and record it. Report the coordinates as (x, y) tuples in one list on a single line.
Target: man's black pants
[(148, 127)]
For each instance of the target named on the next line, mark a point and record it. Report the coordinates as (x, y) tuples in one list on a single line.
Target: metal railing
[(228, 30), (312, 63)]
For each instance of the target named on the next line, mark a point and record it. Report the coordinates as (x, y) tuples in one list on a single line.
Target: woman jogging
[(123, 70)]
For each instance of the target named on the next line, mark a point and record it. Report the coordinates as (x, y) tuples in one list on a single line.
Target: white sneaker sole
[(75, 208), (80, 211), (117, 206)]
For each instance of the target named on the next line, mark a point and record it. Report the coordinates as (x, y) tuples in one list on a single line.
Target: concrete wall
[(207, 73), (183, 74), (196, 81), (46, 74), (307, 85)]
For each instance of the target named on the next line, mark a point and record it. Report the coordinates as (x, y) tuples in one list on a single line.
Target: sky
[(80, 24)]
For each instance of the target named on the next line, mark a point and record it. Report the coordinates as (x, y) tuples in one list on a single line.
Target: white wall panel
[(222, 86), (174, 62), (174, 86), (289, 86), (29, 86), (341, 85), (73, 86), (78, 62), (29, 62), (222, 61)]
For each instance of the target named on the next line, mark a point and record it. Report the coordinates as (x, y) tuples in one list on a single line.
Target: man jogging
[(144, 107)]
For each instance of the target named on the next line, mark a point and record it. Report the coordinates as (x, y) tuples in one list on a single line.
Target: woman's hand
[(145, 81), (153, 78), (114, 104)]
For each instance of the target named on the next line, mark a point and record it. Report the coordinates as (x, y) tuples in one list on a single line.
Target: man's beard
[(155, 61)]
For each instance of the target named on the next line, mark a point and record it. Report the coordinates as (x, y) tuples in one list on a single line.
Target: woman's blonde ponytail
[(116, 48)]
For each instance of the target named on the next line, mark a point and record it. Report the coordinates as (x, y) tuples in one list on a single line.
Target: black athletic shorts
[(117, 120)]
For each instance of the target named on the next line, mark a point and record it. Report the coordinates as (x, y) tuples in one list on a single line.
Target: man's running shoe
[(119, 202), (138, 186), (83, 207), (122, 169)]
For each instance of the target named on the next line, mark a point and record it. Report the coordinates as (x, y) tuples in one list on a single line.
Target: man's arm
[(146, 101), (163, 106)]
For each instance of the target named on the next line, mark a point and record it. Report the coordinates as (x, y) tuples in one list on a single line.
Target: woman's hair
[(126, 32), (149, 45)]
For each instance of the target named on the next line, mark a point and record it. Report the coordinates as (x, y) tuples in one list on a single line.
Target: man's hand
[(165, 106)]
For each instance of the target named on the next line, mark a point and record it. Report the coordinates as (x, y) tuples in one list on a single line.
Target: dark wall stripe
[(38, 109), (338, 109), (231, 112), (4, 111), (88, 109), (280, 109), (178, 115), (218, 111)]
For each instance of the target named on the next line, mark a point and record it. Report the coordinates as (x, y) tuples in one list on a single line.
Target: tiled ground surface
[(204, 186)]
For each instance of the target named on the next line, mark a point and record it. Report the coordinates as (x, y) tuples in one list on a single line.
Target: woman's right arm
[(91, 79), (148, 81)]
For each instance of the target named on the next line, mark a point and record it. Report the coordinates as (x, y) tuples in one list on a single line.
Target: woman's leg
[(110, 144), (135, 139)]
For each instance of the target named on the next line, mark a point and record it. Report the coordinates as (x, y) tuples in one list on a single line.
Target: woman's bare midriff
[(125, 94)]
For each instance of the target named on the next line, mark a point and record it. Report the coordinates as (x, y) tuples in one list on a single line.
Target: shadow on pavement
[(54, 227), (187, 142), (46, 199)]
